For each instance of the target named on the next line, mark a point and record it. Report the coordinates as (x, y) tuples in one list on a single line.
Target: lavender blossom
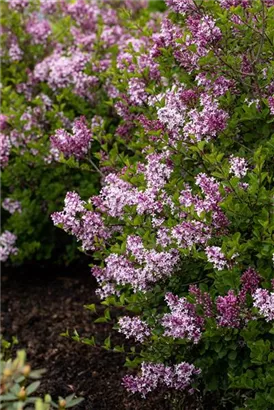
[(153, 375), (215, 256), (11, 205), (228, 308), (38, 29), (264, 301), (7, 248), (182, 322), (77, 143), (3, 122), (5, 147), (238, 166), (134, 327)]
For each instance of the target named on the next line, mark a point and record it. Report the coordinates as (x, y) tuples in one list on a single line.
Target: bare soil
[(38, 304)]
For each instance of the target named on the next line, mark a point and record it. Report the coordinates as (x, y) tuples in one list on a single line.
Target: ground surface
[(39, 304)]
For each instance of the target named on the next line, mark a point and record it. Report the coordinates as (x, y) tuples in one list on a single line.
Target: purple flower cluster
[(271, 105), (229, 310), (18, 4), (77, 143), (134, 327), (136, 91), (216, 256), (7, 248), (203, 31), (182, 322), (61, 71), (227, 4), (173, 114), (152, 376), (181, 6), (39, 29), (264, 301), (208, 203), (15, 52), (48, 6), (148, 268), (250, 280), (238, 166), (202, 299), (190, 233), (158, 170), (3, 122), (115, 195), (11, 205), (73, 206), (5, 147), (180, 119), (208, 122), (87, 226)]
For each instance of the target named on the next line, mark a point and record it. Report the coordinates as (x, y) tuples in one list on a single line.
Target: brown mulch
[(38, 304)]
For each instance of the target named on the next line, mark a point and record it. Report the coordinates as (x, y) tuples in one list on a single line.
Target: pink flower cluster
[(152, 376), (7, 248), (212, 196), (173, 114), (48, 6), (182, 322), (232, 308), (77, 143), (158, 170), (115, 195), (11, 205), (134, 327)]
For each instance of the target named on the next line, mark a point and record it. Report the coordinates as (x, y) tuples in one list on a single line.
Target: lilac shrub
[(174, 113), (187, 202), (55, 89)]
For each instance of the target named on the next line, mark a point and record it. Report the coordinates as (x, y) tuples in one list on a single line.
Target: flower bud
[(62, 403), (7, 372), (22, 395), (26, 370)]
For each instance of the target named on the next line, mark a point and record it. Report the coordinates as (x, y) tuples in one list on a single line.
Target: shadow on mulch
[(38, 304)]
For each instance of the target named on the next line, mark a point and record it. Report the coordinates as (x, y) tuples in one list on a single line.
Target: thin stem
[(95, 167)]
